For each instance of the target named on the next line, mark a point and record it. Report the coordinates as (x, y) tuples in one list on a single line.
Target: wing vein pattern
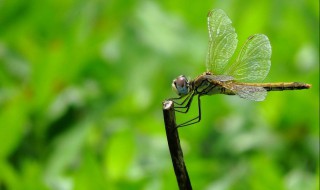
[(253, 62), (222, 41)]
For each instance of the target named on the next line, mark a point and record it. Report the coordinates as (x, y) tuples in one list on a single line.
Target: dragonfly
[(241, 77)]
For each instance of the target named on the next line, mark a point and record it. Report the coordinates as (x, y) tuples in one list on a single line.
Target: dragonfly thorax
[(181, 85)]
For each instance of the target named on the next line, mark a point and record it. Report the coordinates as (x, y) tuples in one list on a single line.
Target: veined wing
[(253, 63), (222, 78), (254, 93), (222, 41)]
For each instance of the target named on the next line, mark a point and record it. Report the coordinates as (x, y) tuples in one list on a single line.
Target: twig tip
[(167, 104)]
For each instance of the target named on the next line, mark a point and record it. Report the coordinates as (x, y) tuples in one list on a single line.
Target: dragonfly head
[(181, 85)]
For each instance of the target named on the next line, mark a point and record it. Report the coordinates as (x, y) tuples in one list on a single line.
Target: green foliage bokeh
[(81, 86)]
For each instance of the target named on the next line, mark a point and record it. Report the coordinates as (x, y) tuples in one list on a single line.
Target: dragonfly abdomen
[(280, 86)]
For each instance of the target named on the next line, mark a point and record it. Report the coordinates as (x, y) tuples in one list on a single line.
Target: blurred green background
[(82, 85)]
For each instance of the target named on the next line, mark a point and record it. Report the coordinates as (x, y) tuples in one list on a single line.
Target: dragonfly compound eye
[(181, 85)]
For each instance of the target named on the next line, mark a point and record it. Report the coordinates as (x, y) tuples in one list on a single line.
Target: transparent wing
[(222, 41), (219, 77), (253, 63), (254, 93)]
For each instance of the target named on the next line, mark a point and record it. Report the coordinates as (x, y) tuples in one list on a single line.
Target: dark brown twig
[(174, 146)]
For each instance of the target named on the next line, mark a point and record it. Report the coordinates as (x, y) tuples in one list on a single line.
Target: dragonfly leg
[(194, 120), (198, 118), (173, 99), (189, 99), (187, 106), (184, 101)]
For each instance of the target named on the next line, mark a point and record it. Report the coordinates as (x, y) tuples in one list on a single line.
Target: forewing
[(222, 41), (219, 77), (253, 93), (253, 63)]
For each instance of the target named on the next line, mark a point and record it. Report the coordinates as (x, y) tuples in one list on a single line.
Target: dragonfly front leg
[(198, 118), (184, 101), (181, 105), (190, 97), (194, 120), (186, 107)]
